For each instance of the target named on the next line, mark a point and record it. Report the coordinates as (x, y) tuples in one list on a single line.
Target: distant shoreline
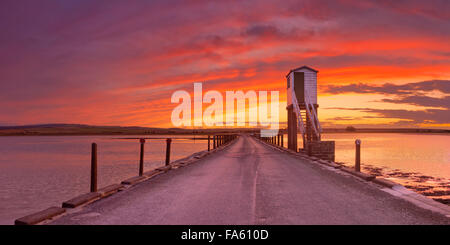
[(86, 130)]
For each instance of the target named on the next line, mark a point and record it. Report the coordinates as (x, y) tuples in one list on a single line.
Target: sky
[(381, 63)]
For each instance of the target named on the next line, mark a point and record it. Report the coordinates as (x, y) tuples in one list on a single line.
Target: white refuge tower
[(302, 108)]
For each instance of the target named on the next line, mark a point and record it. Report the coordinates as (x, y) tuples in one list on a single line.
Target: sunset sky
[(381, 63)]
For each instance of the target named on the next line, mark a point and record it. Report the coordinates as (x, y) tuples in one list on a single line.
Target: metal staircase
[(309, 112)]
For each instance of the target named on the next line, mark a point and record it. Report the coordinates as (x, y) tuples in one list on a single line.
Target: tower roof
[(302, 67)]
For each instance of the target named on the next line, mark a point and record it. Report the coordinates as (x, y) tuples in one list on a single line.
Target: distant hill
[(81, 129), (59, 125)]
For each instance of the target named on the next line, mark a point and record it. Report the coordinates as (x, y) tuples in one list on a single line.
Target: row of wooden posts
[(218, 140), (278, 140)]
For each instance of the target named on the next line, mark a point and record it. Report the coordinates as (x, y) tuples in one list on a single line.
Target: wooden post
[(292, 129), (209, 142), (168, 151), (94, 168), (358, 155), (282, 140), (141, 158), (214, 141)]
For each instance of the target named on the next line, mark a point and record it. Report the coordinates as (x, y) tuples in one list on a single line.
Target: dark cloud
[(388, 88), (410, 93), (439, 9), (369, 60), (342, 119), (422, 101), (273, 32), (262, 30), (425, 116)]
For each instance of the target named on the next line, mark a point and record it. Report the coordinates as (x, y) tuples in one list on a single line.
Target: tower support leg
[(292, 129)]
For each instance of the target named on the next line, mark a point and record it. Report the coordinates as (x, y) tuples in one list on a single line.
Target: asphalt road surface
[(251, 183)]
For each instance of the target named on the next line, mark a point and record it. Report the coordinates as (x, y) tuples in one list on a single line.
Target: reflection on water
[(418, 161), (42, 171)]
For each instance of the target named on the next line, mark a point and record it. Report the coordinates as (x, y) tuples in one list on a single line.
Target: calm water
[(423, 153), (420, 162), (37, 172)]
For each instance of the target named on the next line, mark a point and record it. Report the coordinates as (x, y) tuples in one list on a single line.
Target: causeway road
[(251, 182)]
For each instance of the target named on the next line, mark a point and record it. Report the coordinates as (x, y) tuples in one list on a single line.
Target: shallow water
[(37, 172), (421, 162)]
